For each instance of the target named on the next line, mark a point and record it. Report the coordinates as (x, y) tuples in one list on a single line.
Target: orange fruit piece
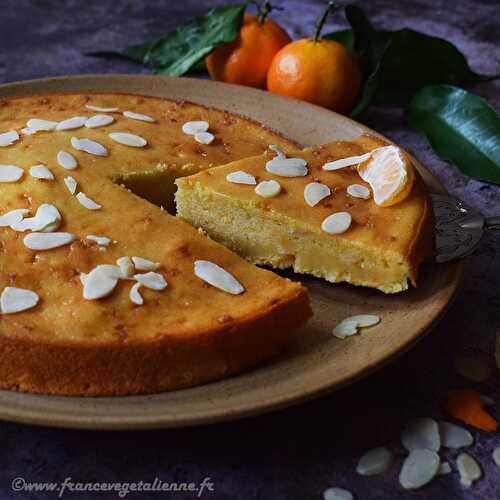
[(390, 174), (245, 61), (322, 72)]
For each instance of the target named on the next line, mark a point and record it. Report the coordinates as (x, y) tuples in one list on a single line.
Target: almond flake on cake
[(279, 152), (268, 189), (100, 240), (195, 127), (337, 223), (314, 192), (14, 300), (204, 137), (138, 116), (133, 140), (218, 277), (126, 266), (71, 184), (47, 218), (10, 173), (97, 121), (39, 125), (241, 177), (287, 167), (89, 146), (100, 282), (41, 172), (358, 191), (66, 160), (142, 264), (135, 295), (13, 217), (8, 138), (72, 123), (87, 202), (101, 109), (346, 162), (154, 281), (47, 241)]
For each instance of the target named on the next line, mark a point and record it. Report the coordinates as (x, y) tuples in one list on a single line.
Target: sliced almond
[(8, 138), (496, 455), (195, 127), (419, 468), (241, 177), (279, 152), (87, 202), (218, 277), (14, 300), (154, 281), (71, 184), (375, 462), (100, 240), (287, 167), (346, 162), (337, 223), (468, 469), (89, 146), (314, 192), (135, 141), (145, 264), (135, 295), (100, 282), (337, 494), (127, 266), (46, 219), (66, 160), (97, 121), (38, 124), (345, 329), (453, 436), (204, 137), (364, 320), (41, 172), (421, 433), (13, 217), (138, 116), (10, 173), (101, 109), (358, 191), (268, 189), (72, 123), (47, 241)]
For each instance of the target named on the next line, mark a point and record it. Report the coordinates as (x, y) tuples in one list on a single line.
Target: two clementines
[(319, 71)]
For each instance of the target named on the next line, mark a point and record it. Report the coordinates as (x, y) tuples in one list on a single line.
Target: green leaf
[(176, 52), (398, 63), (461, 127)]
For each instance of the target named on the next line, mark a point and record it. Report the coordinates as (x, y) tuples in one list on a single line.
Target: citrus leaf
[(345, 37), (461, 127), (176, 52)]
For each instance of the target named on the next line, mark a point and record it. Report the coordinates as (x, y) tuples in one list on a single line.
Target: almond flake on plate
[(66, 160), (8, 138), (100, 282), (101, 109), (375, 462), (421, 433), (154, 281), (241, 177), (444, 468), (135, 295), (10, 173), (218, 277), (15, 300), (87, 202), (138, 116), (89, 146), (314, 192), (468, 469), (97, 121), (41, 172), (72, 123), (346, 162), (135, 141), (337, 223), (358, 191), (46, 219), (204, 137), (454, 436), (47, 241), (279, 152), (126, 266), (13, 217), (349, 326), (337, 494), (38, 125), (71, 184), (419, 468), (145, 264), (195, 127), (287, 167), (100, 240), (268, 189)]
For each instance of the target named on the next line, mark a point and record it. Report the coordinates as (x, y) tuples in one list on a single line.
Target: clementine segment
[(245, 61)]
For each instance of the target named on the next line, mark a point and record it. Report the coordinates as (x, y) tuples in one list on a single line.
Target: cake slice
[(316, 215)]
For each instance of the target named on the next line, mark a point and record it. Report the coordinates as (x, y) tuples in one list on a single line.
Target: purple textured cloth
[(299, 452)]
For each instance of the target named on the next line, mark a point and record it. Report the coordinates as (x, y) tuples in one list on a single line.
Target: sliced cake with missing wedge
[(346, 211)]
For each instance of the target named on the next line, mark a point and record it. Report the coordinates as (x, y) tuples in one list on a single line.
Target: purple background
[(296, 453)]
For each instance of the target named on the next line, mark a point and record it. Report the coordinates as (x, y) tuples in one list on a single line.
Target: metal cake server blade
[(458, 227)]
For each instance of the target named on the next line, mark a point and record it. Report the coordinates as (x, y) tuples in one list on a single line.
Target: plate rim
[(103, 422)]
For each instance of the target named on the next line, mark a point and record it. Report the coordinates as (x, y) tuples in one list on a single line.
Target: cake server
[(458, 227)]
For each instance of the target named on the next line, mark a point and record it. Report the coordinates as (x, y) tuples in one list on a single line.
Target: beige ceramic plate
[(319, 363)]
